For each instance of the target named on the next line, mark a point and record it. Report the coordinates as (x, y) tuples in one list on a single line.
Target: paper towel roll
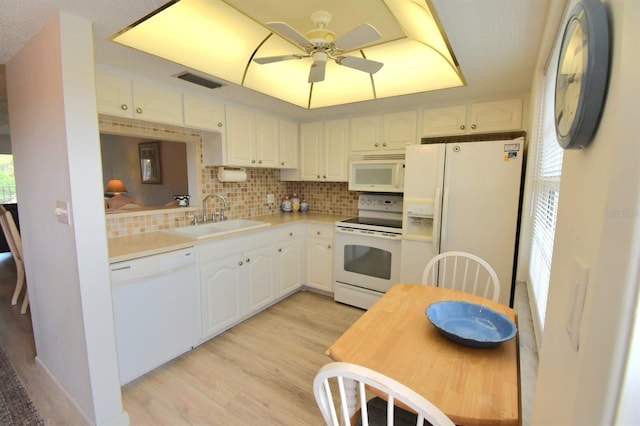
[(226, 174)]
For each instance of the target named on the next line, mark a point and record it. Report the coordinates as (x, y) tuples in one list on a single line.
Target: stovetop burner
[(388, 223)]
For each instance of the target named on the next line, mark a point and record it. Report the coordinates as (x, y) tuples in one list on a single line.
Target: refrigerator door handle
[(435, 240), (445, 214)]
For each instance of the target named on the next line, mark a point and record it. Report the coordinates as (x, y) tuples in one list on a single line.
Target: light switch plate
[(63, 212)]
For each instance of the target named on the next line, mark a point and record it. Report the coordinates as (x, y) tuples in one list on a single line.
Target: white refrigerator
[(462, 196)]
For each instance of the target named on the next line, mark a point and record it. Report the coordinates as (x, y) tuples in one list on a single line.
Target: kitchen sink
[(212, 229)]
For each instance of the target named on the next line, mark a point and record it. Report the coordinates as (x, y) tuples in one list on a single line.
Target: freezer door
[(480, 203)]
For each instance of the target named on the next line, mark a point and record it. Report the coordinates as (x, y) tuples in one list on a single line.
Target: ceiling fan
[(321, 44)]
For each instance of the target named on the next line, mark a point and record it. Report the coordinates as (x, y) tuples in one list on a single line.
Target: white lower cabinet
[(241, 276), (222, 293), (319, 249), (260, 267), (237, 278), (290, 262)]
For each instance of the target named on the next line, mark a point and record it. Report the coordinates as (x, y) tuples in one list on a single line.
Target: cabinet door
[(203, 113), (156, 103), (221, 290), (113, 94), (310, 151), (494, 116), (365, 133), (320, 263), (240, 136), (267, 142), (289, 265), (289, 149), (399, 130), (260, 268), (336, 150), (444, 121)]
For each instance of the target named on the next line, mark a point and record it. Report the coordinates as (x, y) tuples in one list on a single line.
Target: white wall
[(56, 148), (598, 224)]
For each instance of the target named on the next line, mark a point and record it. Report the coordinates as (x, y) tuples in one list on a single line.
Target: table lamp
[(115, 187)]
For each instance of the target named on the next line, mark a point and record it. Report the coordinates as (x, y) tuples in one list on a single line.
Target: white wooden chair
[(462, 271), (12, 235), (352, 380)]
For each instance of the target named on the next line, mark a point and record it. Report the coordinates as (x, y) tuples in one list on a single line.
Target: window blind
[(546, 194)]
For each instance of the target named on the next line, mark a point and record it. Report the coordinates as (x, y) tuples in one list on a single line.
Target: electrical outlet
[(270, 199)]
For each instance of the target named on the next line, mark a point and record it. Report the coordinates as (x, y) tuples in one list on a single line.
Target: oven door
[(367, 260)]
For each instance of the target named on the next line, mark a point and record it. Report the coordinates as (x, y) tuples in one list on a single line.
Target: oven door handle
[(361, 233)]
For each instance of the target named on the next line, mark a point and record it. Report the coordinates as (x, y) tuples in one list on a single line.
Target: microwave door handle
[(435, 238)]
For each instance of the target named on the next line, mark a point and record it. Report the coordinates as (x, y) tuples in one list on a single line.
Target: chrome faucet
[(213, 215)]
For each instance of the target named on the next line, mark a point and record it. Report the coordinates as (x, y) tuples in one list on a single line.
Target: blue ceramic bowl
[(470, 324)]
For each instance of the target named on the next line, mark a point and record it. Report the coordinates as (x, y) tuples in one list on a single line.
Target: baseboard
[(121, 420)]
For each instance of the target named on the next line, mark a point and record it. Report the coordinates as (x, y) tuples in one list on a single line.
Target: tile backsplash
[(244, 200)]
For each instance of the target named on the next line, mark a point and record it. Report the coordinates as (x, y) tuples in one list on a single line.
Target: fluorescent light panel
[(213, 37)]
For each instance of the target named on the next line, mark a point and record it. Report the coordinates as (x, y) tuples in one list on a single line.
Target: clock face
[(570, 78), (582, 74)]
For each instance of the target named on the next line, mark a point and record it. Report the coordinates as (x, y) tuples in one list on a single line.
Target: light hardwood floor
[(259, 372)]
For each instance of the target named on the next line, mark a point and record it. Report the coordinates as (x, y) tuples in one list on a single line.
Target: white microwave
[(376, 175)]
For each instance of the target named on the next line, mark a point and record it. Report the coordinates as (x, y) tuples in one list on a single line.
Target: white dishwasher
[(156, 310)]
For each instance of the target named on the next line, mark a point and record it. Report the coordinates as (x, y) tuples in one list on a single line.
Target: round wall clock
[(583, 71)]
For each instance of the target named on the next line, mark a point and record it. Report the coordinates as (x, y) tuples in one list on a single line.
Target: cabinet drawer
[(319, 231), (231, 245), (288, 233)]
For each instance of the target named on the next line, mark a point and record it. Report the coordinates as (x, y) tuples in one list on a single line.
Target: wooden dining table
[(473, 386)]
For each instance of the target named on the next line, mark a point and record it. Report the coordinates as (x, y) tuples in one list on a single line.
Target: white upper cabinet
[(324, 150), (157, 103), (253, 139), (118, 95), (389, 132), (203, 112), (478, 117), (114, 95), (289, 144)]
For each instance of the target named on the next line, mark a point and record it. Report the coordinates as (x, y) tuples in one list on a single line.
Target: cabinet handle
[(329, 246), (384, 144), (248, 260), (219, 124), (318, 176), (282, 163), (253, 161), (240, 263), (375, 144), (324, 176), (139, 110), (462, 127), (473, 126), (259, 161), (318, 232), (291, 234), (279, 250), (124, 107)]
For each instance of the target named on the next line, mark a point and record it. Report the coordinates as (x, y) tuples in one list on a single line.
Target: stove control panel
[(380, 202)]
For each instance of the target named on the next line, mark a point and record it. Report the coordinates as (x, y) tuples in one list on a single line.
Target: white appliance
[(367, 250), (156, 310), (379, 175), (462, 196)]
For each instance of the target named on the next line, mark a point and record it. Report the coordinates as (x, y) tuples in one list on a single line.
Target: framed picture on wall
[(150, 166)]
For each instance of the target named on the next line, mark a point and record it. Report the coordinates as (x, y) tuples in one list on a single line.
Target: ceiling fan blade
[(360, 64), (271, 59), (289, 33), (316, 73), (360, 36)]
